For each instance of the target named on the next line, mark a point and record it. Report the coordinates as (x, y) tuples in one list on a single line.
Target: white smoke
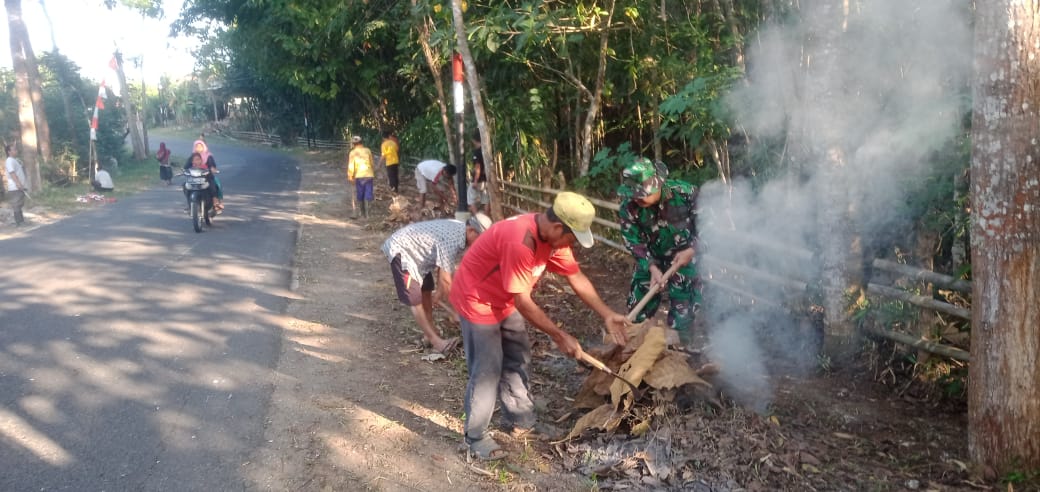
[(886, 96)]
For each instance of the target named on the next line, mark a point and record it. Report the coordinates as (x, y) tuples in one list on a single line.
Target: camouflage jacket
[(654, 234)]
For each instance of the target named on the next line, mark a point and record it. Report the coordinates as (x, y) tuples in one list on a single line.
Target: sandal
[(485, 449), (537, 433), (449, 346)]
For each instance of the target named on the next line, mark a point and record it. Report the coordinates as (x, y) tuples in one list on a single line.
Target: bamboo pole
[(719, 283), (926, 345), (796, 284), (602, 222), (940, 280), (599, 238), (768, 243), (922, 301), (595, 201)]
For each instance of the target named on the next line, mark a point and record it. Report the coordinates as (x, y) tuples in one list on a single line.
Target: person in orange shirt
[(361, 173), (389, 153), (491, 292)]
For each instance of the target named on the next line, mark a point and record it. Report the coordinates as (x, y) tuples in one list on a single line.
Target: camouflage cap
[(640, 179)]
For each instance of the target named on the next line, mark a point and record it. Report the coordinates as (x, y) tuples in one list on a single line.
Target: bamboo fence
[(724, 273)]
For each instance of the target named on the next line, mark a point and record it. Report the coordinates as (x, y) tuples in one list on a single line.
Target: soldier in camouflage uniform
[(658, 224)]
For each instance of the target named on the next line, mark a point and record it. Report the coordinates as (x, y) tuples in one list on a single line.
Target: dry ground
[(360, 408)]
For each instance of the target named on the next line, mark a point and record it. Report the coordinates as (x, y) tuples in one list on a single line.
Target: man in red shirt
[(492, 294)]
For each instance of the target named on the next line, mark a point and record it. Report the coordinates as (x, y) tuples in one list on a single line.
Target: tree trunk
[(473, 81), (438, 83), (130, 111), (585, 155), (729, 16), (823, 24), (23, 91), (43, 130), (43, 127), (1004, 394)]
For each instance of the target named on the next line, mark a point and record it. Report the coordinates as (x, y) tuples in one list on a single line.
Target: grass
[(132, 178)]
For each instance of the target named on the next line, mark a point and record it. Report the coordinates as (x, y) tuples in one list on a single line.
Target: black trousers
[(392, 174)]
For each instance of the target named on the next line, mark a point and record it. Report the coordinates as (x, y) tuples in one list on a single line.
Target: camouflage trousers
[(684, 295)]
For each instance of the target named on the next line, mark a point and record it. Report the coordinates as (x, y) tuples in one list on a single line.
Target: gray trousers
[(497, 357), (17, 200)]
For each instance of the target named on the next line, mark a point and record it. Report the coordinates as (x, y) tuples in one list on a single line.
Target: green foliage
[(696, 112), (1021, 477), (603, 176), (69, 99), (9, 125)]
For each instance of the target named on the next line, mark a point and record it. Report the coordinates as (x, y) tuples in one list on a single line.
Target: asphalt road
[(136, 354)]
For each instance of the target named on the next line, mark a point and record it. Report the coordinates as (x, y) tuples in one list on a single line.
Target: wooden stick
[(654, 289), (594, 362)]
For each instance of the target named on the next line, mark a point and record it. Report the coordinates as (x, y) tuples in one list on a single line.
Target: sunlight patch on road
[(17, 430)]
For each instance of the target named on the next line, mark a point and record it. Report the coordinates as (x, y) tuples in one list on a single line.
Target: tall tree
[(473, 80), (435, 63), (1004, 394), (823, 146), (20, 50), (43, 128)]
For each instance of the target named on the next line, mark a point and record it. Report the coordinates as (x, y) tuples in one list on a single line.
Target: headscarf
[(163, 151), (205, 151)]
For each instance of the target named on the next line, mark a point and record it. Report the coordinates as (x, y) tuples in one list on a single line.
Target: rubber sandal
[(449, 346), (485, 449), (537, 433)]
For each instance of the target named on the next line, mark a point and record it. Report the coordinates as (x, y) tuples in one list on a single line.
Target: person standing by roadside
[(477, 194), (361, 173), (659, 228), (163, 156), (416, 252), (492, 294), (389, 154), (434, 175), (16, 183)]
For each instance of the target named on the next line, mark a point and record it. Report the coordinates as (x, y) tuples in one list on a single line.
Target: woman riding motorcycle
[(196, 161), (206, 161)]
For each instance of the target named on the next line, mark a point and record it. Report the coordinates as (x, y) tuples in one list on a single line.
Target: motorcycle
[(200, 200)]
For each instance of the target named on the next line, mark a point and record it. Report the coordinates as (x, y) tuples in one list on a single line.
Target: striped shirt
[(424, 246)]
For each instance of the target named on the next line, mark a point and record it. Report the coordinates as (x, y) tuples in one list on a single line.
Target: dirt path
[(355, 406)]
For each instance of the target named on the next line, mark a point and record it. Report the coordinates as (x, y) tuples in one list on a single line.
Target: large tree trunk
[(473, 80), (43, 127), (23, 91), (43, 130), (1004, 393)]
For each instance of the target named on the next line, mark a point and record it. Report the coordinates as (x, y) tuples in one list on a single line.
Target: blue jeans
[(497, 357)]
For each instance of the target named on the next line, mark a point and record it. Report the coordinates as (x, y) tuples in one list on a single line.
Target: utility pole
[(458, 76)]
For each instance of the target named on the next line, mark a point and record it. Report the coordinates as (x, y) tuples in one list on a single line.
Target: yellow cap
[(577, 213)]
